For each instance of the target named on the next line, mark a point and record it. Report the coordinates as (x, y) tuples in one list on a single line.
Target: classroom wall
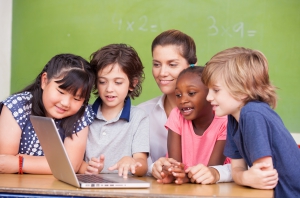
[(5, 43), (43, 28)]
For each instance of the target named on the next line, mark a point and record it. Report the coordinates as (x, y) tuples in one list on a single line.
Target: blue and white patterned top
[(20, 106)]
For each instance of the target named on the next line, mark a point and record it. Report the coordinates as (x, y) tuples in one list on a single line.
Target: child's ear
[(135, 82), (44, 80), (243, 96)]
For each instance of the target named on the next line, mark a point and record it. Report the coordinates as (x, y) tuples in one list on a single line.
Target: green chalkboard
[(43, 28)]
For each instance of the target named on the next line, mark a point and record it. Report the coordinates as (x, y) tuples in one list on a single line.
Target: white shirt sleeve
[(149, 173), (224, 172)]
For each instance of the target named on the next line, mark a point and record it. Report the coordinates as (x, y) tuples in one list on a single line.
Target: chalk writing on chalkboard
[(236, 29), (141, 24)]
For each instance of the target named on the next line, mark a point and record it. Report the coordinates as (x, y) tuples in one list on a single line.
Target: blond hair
[(244, 72)]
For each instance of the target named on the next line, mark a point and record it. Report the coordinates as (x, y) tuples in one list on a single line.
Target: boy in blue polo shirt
[(120, 132)]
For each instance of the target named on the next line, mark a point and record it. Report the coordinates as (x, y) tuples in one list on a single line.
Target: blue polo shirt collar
[(125, 112)]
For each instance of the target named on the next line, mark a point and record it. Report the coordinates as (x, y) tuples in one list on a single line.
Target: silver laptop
[(61, 167)]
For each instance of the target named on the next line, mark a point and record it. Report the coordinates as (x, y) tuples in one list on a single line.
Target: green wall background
[(43, 28)]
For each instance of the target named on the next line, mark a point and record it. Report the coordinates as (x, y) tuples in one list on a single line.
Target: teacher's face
[(167, 64)]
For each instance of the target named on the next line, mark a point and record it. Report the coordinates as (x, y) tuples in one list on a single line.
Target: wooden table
[(48, 185)]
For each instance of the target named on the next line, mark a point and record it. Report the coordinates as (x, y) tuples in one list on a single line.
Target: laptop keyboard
[(93, 179)]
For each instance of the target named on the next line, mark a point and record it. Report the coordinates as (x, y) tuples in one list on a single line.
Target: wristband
[(21, 162)]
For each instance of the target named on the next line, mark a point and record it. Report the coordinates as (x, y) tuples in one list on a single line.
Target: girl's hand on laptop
[(124, 165), (95, 165)]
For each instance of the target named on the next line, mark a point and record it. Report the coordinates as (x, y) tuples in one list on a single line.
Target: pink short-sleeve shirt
[(196, 149)]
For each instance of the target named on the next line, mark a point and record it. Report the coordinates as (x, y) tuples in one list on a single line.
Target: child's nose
[(184, 99), (109, 87), (209, 97), (65, 101)]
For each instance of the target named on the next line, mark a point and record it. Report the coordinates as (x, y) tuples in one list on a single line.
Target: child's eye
[(192, 93), (178, 95), (215, 90), (101, 82), (119, 83), (61, 92), (78, 99)]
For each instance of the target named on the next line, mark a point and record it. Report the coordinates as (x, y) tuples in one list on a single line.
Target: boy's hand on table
[(95, 165), (124, 165), (261, 179)]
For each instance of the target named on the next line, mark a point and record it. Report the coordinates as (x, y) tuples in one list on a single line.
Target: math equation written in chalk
[(141, 24), (230, 31)]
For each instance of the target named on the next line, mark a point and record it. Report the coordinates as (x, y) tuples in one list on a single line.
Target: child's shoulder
[(20, 96), (176, 116), (257, 110), (220, 120), (17, 99), (255, 106), (89, 113), (221, 117), (138, 116), (176, 112), (20, 105), (138, 111)]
